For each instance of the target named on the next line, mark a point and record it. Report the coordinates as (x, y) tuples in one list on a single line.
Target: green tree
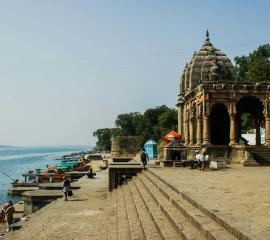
[(151, 119), (167, 121), (104, 136), (253, 68), (130, 123), (256, 66), (152, 124)]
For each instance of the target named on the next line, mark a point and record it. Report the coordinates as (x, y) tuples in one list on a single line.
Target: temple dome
[(209, 64)]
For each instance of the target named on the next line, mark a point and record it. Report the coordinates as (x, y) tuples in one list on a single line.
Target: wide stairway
[(146, 207)]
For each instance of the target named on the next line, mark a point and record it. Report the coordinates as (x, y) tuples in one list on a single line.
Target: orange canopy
[(173, 134)]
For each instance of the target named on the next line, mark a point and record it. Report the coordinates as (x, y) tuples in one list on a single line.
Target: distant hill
[(6, 146)]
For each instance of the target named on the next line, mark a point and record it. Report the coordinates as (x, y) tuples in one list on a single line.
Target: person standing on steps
[(66, 187), (144, 158), (9, 215)]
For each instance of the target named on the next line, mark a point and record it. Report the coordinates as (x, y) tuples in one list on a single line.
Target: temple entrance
[(219, 125), (250, 120)]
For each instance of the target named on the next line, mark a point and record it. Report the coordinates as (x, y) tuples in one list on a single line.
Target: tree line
[(154, 123)]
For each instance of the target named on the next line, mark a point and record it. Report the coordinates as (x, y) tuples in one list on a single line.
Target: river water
[(15, 160)]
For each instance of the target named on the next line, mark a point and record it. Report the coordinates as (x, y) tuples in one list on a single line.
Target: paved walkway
[(70, 220), (240, 195)]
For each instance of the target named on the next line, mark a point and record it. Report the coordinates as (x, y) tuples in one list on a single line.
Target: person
[(203, 157), (195, 161), (9, 215), (2, 215), (144, 158), (66, 187)]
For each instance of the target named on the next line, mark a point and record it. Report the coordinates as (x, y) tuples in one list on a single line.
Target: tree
[(104, 136), (152, 124), (129, 123), (256, 66), (151, 116), (253, 68), (167, 121)]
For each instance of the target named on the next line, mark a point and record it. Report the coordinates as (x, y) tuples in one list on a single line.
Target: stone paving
[(239, 195), (74, 219)]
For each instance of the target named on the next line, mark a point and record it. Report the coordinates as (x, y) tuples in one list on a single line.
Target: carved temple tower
[(211, 102)]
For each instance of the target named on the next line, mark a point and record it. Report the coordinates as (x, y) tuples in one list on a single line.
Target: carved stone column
[(199, 131), (205, 130), (199, 125), (180, 119), (186, 129), (267, 130), (232, 128), (191, 131)]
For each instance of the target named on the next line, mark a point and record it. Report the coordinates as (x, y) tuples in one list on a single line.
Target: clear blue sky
[(69, 67)]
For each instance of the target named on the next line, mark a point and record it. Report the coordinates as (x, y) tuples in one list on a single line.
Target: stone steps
[(209, 224), (150, 230), (123, 221), (164, 226), (135, 228), (176, 218), (149, 208), (113, 217)]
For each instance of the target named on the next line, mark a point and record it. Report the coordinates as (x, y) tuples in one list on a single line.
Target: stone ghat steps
[(147, 207), (195, 220)]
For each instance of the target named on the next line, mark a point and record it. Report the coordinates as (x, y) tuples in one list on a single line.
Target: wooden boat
[(52, 174)]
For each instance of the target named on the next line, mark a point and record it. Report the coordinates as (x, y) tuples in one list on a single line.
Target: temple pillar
[(267, 130), (180, 120), (191, 131), (199, 131), (205, 130), (232, 129), (186, 132), (258, 133)]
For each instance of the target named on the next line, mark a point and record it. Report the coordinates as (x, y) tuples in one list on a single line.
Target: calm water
[(15, 160)]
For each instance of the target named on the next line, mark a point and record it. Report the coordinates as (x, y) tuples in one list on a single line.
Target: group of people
[(6, 215), (201, 159)]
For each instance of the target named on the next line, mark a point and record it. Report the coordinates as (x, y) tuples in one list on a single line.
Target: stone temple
[(210, 105)]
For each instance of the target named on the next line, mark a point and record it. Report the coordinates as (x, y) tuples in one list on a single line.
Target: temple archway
[(219, 125), (250, 108)]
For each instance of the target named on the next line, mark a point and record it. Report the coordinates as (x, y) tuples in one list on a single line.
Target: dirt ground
[(74, 219), (240, 195)]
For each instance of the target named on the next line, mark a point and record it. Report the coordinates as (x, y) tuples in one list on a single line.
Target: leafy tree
[(104, 136), (151, 118), (256, 66), (253, 68), (152, 124), (246, 122), (130, 123), (167, 121)]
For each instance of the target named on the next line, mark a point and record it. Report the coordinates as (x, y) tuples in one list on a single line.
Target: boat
[(52, 174)]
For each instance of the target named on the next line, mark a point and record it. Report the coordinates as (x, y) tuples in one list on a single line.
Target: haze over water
[(15, 160)]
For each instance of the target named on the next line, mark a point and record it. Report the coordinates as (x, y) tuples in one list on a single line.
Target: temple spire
[(207, 36)]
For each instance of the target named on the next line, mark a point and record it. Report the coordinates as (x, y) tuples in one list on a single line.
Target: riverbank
[(16, 160), (74, 219)]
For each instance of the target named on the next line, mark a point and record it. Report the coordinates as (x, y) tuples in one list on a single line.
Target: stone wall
[(126, 146)]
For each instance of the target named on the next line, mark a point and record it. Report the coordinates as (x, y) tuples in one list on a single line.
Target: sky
[(70, 67)]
